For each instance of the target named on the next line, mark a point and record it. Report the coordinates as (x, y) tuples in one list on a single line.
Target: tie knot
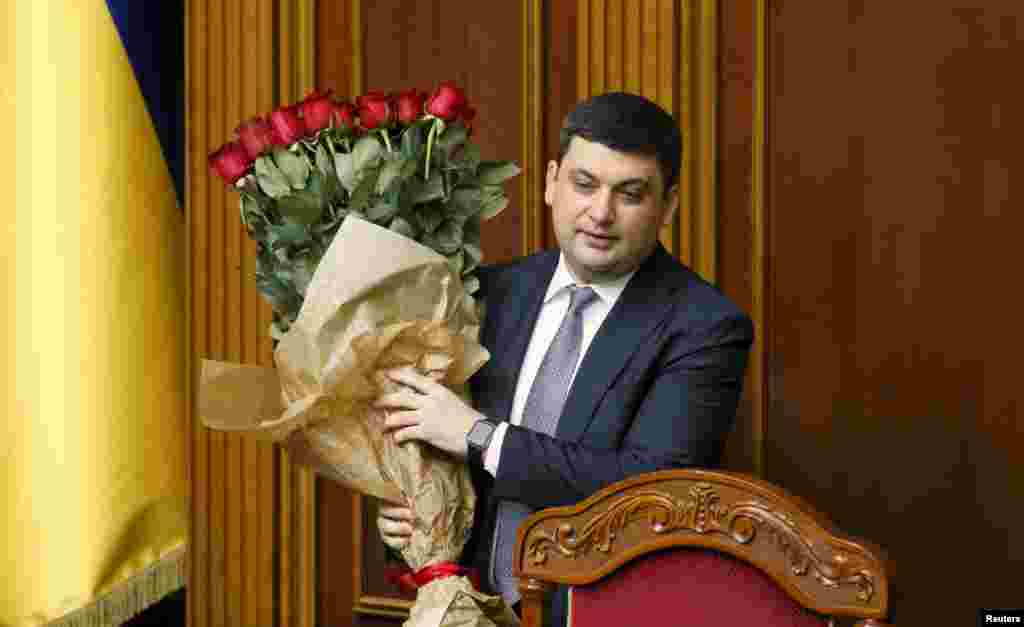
[(580, 297)]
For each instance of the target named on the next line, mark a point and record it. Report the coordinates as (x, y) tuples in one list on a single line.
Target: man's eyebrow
[(633, 182)]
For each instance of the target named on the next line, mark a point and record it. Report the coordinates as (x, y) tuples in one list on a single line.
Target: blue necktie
[(543, 408)]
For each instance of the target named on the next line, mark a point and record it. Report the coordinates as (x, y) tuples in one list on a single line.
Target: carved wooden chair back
[(696, 547)]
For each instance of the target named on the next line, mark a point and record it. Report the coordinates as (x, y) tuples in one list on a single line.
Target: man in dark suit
[(609, 358)]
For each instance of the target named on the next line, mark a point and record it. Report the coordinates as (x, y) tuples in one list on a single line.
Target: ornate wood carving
[(743, 516), (702, 511)]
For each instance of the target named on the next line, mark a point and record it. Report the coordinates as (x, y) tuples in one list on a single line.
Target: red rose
[(256, 136), (375, 110), (231, 161), (410, 105), (447, 101), (288, 126), (316, 111), (344, 115)]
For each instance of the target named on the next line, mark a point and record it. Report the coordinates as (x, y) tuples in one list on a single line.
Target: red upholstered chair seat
[(687, 587), (697, 548)]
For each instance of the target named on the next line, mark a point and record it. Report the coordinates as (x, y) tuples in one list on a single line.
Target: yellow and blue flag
[(93, 482)]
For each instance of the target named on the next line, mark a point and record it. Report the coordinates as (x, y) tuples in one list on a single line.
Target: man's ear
[(550, 178), (672, 201)]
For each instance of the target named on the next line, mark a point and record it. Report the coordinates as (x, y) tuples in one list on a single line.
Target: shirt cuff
[(493, 453)]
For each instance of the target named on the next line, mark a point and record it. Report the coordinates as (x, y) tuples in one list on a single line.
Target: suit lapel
[(642, 306)]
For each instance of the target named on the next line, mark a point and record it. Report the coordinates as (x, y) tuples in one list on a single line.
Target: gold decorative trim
[(532, 180), (356, 22), (297, 34), (706, 209), (702, 511), (682, 235), (759, 392), (133, 596)]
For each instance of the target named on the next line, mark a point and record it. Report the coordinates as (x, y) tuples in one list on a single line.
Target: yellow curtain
[(93, 476)]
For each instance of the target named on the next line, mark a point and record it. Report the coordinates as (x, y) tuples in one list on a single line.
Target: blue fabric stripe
[(153, 35)]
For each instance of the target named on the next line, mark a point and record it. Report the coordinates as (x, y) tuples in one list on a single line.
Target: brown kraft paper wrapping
[(377, 301)]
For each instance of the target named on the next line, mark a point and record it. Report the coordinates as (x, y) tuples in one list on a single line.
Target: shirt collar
[(608, 292)]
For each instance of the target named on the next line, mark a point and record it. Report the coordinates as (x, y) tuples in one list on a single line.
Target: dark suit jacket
[(657, 388)]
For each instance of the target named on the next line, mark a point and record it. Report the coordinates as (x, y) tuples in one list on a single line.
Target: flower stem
[(387, 142), (430, 146)]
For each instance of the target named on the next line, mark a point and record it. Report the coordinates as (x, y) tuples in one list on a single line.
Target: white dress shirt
[(556, 304)]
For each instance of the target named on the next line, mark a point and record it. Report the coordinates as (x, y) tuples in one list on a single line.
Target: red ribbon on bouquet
[(410, 581)]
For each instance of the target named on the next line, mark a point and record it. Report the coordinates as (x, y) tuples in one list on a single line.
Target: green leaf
[(394, 171), (381, 212), (456, 262), (367, 152), (452, 137), (429, 217), (492, 206), (294, 167), (413, 143), (496, 172), (344, 165), (424, 191), (323, 161), (449, 237), (472, 284), (468, 158), (364, 192), (286, 234), (401, 225), (474, 255), (302, 206), (465, 201), (272, 181)]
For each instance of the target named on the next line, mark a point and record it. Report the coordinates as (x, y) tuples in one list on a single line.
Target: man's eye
[(584, 185), (633, 196)]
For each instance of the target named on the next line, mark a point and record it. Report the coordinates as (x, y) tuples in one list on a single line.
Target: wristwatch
[(477, 440)]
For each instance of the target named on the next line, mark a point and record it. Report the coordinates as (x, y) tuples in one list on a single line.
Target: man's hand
[(395, 524), (434, 414)]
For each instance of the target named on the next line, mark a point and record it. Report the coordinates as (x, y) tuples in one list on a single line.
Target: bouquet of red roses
[(367, 223), (402, 161)]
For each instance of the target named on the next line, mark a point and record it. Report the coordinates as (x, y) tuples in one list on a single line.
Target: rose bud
[(410, 105), (231, 161), (343, 115), (289, 126), (375, 110), (316, 111), (256, 136), (447, 101)]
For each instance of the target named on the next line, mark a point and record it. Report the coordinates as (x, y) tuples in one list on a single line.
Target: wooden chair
[(697, 547)]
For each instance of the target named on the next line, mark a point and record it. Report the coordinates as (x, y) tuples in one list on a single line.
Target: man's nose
[(602, 209)]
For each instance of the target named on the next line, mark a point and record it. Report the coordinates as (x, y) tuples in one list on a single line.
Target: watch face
[(478, 434)]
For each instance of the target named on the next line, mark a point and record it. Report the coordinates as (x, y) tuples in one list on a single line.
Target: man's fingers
[(396, 544), (408, 376), (398, 419), (394, 528), (402, 399), (396, 512), (407, 433)]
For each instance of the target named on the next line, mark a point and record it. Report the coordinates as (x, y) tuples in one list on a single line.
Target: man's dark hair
[(626, 123)]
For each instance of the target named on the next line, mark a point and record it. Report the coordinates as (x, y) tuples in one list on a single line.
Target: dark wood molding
[(759, 523)]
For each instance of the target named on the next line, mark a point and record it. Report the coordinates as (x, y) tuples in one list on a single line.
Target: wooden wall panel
[(893, 337), (339, 66), (237, 575), (741, 228), (403, 43), (665, 50)]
